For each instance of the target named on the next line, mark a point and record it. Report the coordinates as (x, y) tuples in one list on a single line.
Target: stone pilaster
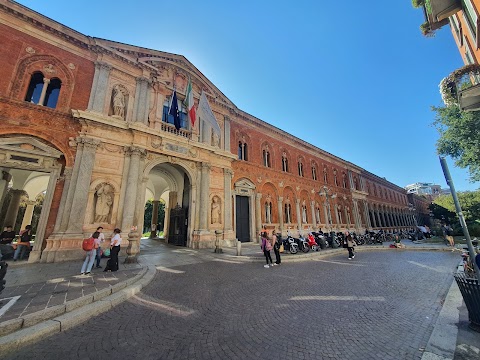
[(314, 219), (141, 105), (80, 196), (299, 214), (66, 178), (154, 222), (28, 215), (5, 178), (129, 206), (226, 135), (99, 87), (280, 213), (258, 212), (204, 196), (228, 174)]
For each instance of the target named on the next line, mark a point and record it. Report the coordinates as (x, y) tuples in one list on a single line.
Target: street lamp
[(325, 191)]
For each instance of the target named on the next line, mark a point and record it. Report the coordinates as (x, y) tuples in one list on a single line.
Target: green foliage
[(459, 137), (427, 30), (147, 217), (418, 3), (442, 211)]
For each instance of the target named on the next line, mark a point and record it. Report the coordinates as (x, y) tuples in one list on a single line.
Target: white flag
[(205, 113)]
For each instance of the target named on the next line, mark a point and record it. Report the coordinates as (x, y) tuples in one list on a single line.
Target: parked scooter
[(312, 243), (320, 239), (290, 245), (302, 243)]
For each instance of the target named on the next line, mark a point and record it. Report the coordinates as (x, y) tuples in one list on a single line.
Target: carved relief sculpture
[(216, 211), (104, 197)]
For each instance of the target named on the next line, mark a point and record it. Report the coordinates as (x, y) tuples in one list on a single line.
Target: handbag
[(281, 249)]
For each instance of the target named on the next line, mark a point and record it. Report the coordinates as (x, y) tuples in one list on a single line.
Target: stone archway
[(28, 156)]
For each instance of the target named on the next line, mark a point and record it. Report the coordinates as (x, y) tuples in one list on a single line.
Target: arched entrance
[(29, 167), (170, 184)]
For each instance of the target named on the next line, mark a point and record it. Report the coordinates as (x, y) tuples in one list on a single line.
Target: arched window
[(339, 213), (242, 151), (53, 91), (35, 87), (325, 176), (300, 168), (43, 91), (266, 158), (314, 172), (284, 162), (355, 183), (335, 180), (344, 180)]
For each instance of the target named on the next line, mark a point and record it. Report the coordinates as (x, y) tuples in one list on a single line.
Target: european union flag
[(174, 110)]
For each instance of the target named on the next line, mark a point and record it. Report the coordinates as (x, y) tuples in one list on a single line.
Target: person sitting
[(6, 238), (397, 242), (23, 246)]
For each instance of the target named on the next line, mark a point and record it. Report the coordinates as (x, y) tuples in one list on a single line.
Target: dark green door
[(242, 215)]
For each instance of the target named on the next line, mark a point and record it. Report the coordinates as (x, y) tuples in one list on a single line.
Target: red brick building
[(86, 122)]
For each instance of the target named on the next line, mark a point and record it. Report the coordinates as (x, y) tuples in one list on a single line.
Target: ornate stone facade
[(113, 146)]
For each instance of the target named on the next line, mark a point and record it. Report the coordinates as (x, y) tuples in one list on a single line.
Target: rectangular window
[(166, 117), (471, 18), (456, 27)]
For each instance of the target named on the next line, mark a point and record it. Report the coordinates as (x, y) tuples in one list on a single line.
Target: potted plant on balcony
[(462, 87)]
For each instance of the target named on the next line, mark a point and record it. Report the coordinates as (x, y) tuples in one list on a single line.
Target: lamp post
[(325, 191)]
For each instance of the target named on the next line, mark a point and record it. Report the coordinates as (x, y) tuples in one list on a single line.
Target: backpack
[(88, 244), (268, 245)]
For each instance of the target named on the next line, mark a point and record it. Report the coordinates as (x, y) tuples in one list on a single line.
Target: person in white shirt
[(112, 264), (101, 239)]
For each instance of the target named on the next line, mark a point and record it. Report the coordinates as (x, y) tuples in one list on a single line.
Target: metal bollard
[(239, 248)]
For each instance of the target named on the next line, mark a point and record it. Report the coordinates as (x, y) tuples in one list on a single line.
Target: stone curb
[(324, 253), (46, 323)]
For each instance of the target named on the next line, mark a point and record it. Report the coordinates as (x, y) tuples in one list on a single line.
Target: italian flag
[(189, 103)]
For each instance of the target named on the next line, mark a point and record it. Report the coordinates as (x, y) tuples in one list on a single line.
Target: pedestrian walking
[(90, 254), (350, 245), (112, 264), (101, 239), (276, 247), (266, 247), (24, 244)]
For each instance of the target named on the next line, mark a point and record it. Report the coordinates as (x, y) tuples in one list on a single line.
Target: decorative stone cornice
[(88, 143), (206, 166), (103, 65), (135, 151)]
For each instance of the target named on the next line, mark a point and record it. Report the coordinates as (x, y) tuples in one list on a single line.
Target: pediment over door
[(244, 186), (28, 153)]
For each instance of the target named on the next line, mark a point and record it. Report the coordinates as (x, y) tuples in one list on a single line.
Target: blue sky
[(354, 78)]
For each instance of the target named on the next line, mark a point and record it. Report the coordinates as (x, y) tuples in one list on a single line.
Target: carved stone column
[(154, 222), (67, 177), (28, 215), (327, 217), (13, 206), (99, 87), (314, 219), (204, 195), (227, 209), (80, 196), (356, 215), (280, 213), (258, 213), (299, 214)]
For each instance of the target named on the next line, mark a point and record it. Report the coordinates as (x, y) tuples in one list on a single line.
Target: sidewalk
[(42, 299)]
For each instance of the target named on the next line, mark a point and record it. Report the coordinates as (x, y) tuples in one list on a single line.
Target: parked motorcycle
[(290, 245)]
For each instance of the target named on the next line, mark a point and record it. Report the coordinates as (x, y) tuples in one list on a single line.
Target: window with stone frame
[(317, 213), (339, 213), (284, 162), (355, 183), (344, 180), (304, 214), (267, 162), (314, 171), (43, 91), (300, 168), (242, 151)]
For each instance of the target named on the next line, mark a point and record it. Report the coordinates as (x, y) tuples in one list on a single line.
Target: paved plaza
[(382, 305)]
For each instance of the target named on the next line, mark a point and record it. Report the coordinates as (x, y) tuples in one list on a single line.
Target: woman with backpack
[(266, 247), (90, 247)]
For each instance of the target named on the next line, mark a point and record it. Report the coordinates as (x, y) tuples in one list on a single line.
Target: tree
[(469, 201), (459, 137)]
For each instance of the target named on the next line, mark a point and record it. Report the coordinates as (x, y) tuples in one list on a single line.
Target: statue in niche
[(215, 211), (104, 203), (118, 102)]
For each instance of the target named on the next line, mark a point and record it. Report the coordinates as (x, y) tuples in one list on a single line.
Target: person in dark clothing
[(23, 245), (350, 244), (276, 248), (6, 238)]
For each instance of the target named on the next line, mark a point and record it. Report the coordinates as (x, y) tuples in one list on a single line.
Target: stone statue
[(104, 203), (118, 103), (215, 140), (216, 211)]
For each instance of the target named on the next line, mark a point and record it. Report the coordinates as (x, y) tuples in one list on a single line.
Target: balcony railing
[(436, 13), (180, 132), (462, 88)]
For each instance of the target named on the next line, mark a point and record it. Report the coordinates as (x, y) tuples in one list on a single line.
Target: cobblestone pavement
[(381, 305)]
